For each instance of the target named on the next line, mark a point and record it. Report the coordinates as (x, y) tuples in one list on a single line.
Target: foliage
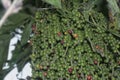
[(23, 49), (55, 3), (73, 39), (6, 33), (76, 42)]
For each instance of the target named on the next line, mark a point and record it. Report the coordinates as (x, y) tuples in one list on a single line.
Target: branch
[(14, 8)]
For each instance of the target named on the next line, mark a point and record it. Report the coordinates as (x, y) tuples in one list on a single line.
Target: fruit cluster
[(75, 45)]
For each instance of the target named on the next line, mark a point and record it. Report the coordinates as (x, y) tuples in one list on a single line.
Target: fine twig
[(115, 34), (14, 8), (91, 44), (40, 9)]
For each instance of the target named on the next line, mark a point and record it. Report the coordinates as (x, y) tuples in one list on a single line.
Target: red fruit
[(70, 31), (33, 27), (62, 41), (78, 76), (89, 77), (59, 33), (70, 70), (45, 74), (95, 62), (97, 47)]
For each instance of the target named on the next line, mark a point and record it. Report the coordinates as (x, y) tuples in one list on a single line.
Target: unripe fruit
[(41, 67), (75, 36)]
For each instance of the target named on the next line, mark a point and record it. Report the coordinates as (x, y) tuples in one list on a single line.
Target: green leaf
[(4, 45), (13, 21), (112, 5), (23, 48), (115, 10), (56, 3), (4, 72), (17, 18), (22, 63), (21, 57), (26, 33)]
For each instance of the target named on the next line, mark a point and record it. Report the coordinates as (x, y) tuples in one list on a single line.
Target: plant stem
[(91, 44), (10, 11)]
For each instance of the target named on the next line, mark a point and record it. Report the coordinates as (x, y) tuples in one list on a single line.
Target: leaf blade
[(56, 3)]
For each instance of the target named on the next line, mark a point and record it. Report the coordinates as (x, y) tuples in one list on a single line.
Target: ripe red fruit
[(59, 33), (78, 75), (95, 62), (70, 70), (33, 27), (45, 74), (70, 31), (97, 47), (62, 41), (89, 77)]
